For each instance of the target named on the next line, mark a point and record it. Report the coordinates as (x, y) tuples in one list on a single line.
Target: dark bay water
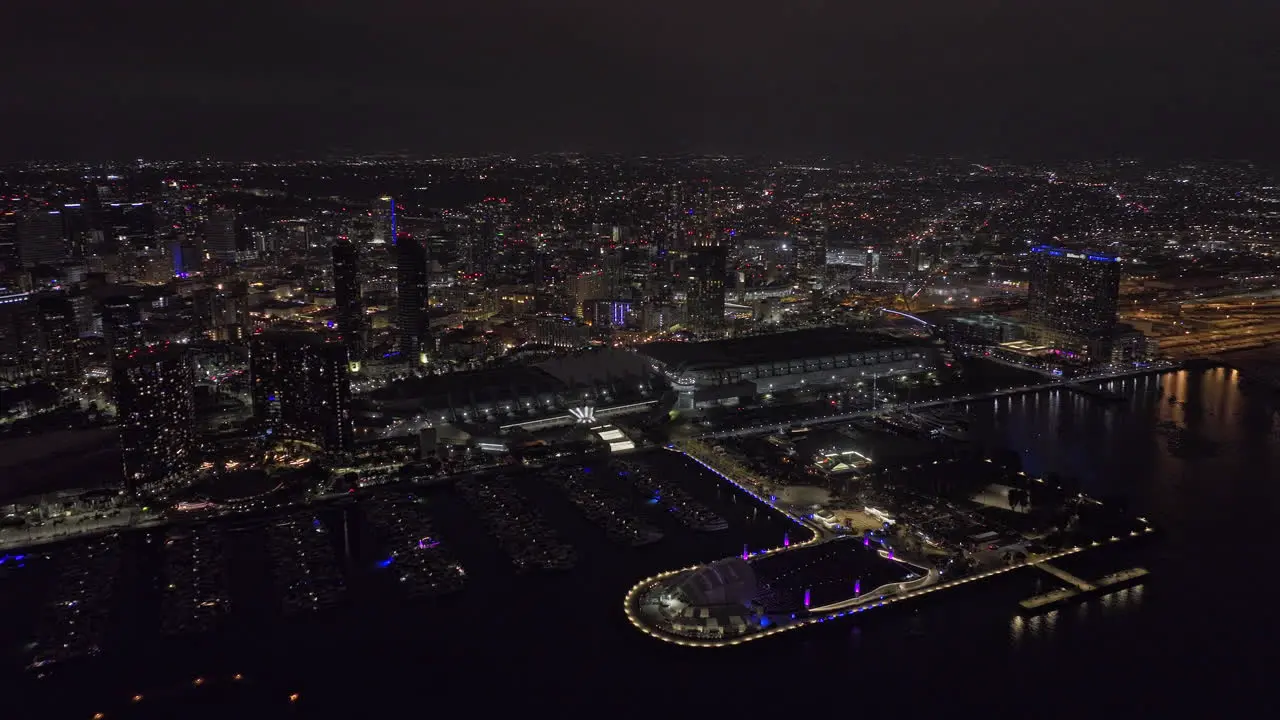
[(1198, 636)]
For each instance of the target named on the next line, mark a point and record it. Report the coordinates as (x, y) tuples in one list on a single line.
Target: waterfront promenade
[(763, 428), (640, 615)]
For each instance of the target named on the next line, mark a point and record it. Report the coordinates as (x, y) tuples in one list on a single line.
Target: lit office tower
[(705, 289), (301, 389), (40, 238), (155, 408), (695, 216), (220, 235), (412, 295), (588, 285), (1074, 295), (122, 327), (59, 341), (346, 290)]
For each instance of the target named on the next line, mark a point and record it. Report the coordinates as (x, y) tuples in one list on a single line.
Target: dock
[(1122, 578), (1067, 577), (1079, 589)]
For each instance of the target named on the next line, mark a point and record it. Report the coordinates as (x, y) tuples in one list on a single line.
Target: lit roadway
[(78, 525), (841, 417)]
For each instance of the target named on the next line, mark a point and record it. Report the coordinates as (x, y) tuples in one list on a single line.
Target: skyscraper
[(413, 292), (155, 408), (1074, 296), (40, 238), (122, 324), (59, 340), (346, 290), (705, 293), (220, 234), (301, 388)]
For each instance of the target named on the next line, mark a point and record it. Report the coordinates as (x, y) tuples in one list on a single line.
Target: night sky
[(1026, 79)]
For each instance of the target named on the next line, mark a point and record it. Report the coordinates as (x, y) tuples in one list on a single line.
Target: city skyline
[(501, 354)]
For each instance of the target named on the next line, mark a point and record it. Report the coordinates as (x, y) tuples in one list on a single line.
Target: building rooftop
[(464, 388), (808, 343)]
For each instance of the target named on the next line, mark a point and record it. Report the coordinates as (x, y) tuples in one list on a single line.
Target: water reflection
[(1043, 628)]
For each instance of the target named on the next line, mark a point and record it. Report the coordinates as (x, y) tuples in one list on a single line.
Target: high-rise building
[(8, 241), (561, 332), (413, 292), (608, 313), (220, 235), (586, 286), (59, 340), (705, 293), (122, 324), (222, 311), (346, 291), (154, 393), (1074, 295), (40, 238), (301, 388)]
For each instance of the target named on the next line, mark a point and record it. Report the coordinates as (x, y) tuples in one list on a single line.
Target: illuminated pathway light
[(821, 614)]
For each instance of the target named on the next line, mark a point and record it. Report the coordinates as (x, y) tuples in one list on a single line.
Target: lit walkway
[(768, 427), (1067, 577)]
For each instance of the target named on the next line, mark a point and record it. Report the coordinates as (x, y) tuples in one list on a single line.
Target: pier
[(1067, 577), (1079, 589)]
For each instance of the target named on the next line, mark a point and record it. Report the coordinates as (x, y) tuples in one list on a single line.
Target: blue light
[(764, 621), (385, 563), (271, 398)]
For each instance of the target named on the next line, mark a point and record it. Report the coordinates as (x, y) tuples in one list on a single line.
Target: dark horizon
[(970, 78)]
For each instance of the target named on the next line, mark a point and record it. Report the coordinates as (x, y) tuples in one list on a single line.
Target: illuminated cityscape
[(852, 360)]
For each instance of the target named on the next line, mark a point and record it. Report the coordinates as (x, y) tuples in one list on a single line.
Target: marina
[(672, 498), (195, 593), (605, 507), (519, 528), (410, 549), (304, 567)]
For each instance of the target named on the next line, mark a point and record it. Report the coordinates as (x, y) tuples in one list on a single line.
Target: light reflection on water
[(1026, 632)]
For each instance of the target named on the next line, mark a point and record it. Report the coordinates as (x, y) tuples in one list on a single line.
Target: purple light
[(744, 552), (786, 540), (890, 553), (857, 587), (866, 540), (806, 597)]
